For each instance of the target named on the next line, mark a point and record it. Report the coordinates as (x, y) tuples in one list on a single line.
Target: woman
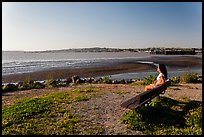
[(161, 78)]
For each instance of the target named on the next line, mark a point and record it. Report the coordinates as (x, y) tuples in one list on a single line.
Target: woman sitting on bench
[(161, 78)]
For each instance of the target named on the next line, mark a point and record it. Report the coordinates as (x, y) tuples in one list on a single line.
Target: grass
[(166, 117), (121, 92), (56, 114), (48, 115)]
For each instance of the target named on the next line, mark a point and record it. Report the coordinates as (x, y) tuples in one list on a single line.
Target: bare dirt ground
[(105, 109)]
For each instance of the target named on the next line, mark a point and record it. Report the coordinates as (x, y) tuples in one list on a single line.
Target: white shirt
[(159, 79)]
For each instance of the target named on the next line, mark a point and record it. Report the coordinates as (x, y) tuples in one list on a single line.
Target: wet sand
[(117, 68), (82, 72)]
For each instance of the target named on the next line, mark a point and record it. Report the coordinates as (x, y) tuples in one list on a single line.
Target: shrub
[(175, 80), (150, 79), (106, 80), (27, 84), (49, 83), (38, 85), (26, 80), (10, 87), (123, 81), (188, 77)]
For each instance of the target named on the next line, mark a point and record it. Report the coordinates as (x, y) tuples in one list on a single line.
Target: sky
[(37, 26)]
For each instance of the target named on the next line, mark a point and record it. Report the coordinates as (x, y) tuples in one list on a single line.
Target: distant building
[(173, 51)]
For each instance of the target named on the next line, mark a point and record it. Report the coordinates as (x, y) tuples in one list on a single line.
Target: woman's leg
[(148, 87)]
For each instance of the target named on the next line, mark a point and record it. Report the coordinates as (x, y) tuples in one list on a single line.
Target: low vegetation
[(166, 117), (187, 77), (190, 78), (149, 79), (48, 115)]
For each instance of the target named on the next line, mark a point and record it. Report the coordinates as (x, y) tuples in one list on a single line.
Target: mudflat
[(125, 67)]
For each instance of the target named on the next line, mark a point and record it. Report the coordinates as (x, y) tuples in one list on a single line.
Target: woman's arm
[(161, 81)]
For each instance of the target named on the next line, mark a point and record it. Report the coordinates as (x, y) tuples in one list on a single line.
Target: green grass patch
[(48, 115), (166, 117), (86, 90), (81, 98), (121, 92)]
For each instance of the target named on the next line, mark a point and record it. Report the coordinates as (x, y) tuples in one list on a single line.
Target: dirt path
[(105, 110)]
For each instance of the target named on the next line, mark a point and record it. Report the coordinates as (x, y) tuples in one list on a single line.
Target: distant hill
[(156, 50), (95, 49)]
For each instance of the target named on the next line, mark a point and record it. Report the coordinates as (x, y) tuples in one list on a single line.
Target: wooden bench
[(146, 96)]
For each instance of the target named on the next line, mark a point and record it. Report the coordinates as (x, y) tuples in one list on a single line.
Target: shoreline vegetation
[(27, 83)]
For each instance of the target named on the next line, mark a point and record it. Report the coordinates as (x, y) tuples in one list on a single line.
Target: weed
[(106, 80), (26, 80), (175, 80), (150, 79)]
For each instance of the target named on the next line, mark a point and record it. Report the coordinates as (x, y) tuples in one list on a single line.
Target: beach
[(173, 63)]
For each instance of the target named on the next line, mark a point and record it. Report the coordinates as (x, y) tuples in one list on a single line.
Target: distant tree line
[(150, 50)]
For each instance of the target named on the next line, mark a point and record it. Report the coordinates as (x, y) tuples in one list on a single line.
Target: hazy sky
[(62, 25)]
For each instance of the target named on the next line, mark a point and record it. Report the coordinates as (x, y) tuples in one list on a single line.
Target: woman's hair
[(163, 70)]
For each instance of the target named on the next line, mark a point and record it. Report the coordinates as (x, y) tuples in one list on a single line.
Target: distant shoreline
[(99, 49)]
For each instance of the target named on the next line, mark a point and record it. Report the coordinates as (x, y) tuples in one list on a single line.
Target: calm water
[(22, 62)]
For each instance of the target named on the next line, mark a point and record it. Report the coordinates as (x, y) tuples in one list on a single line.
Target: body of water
[(141, 75), (23, 62)]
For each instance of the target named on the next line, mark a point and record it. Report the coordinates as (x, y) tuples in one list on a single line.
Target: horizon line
[(93, 48)]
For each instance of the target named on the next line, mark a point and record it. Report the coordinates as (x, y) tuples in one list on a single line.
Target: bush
[(150, 79), (9, 87), (27, 84), (175, 80), (38, 85), (106, 80), (26, 80), (188, 77), (49, 83)]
